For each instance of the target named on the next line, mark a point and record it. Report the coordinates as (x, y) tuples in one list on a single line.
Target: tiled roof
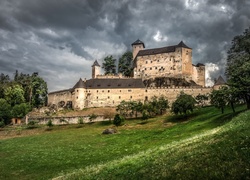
[(96, 63), (60, 91), (166, 49), (156, 51), (182, 44), (138, 41), (114, 83), (79, 84), (220, 81), (199, 64)]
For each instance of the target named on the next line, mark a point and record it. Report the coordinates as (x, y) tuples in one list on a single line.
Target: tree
[(109, 65), (219, 98), (201, 99), (35, 88), (5, 111), (118, 120), (238, 66), (20, 110), (162, 104), (124, 65), (14, 95), (183, 104), (4, 82)]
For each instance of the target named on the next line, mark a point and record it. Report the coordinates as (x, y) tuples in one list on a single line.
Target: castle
[(160, 71)]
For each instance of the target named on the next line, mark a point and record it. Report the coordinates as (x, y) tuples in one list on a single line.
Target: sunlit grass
[(161, 147)]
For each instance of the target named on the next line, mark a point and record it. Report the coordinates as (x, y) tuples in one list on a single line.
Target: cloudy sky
[(60, 39)]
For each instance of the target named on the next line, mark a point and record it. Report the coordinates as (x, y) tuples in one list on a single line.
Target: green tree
[(201, 99), (5, 111), (4, 83), (109, 65), (183, 104), (14, 95), (238, 65), (162, 104), (219, 99), (20, 110), (35, 88), (118, 120), (124, 65)]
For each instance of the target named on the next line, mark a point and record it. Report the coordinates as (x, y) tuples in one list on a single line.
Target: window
[(155, 67), (150, 68), (129, 90), (145, 68), (119, 97), (130, 97), (102, 90), (151, 61), (96, 97), (108, 97), (97, 91), (108, 91)]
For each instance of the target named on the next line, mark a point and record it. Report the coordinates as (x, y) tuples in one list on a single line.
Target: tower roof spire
[(96, 63)]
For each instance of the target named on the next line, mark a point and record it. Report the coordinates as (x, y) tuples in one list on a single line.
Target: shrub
[(118, 120), (80, 120), (92, 117), (2, 124), (145, 115), (49, 123)]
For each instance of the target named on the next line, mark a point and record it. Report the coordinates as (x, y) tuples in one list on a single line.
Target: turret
[(96, 69), (136, 47)]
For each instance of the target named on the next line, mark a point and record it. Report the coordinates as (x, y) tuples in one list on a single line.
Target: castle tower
[(136, 47), (186, 57), (96, 69)]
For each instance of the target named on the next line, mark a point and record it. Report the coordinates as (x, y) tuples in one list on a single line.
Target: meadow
[(203, 145)]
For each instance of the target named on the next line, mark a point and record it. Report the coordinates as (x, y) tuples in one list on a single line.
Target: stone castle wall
[(112, 97)]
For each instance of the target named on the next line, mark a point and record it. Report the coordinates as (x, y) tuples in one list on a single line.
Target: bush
[(92, 117), (145, 115), (80, 120), (49, 123), (118, 120), (2, 124)]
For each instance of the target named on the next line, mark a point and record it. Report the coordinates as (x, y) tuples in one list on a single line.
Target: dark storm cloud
[(61, 39)]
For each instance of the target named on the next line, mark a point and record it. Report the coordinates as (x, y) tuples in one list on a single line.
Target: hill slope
[(219, 153), (206, 145)]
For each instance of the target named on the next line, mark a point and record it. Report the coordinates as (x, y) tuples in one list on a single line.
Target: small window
[(108, 91), (120, 90), (145, 68), (119, 97), (151, 61), (97, 97), (102, 90), (97, 91), (155, 67), (146, 62), (150, 68), (76, 90), (76, 97), (130, 97), (108, 97), (129, 90)]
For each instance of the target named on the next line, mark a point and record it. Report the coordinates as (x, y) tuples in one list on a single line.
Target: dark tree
[(109, 65), (238, 66), (124, 65), (183, 104)]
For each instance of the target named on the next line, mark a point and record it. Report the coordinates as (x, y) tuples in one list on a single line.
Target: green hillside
[(206, 145)]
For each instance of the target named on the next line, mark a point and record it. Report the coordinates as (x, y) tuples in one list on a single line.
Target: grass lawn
[(206, 145)]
